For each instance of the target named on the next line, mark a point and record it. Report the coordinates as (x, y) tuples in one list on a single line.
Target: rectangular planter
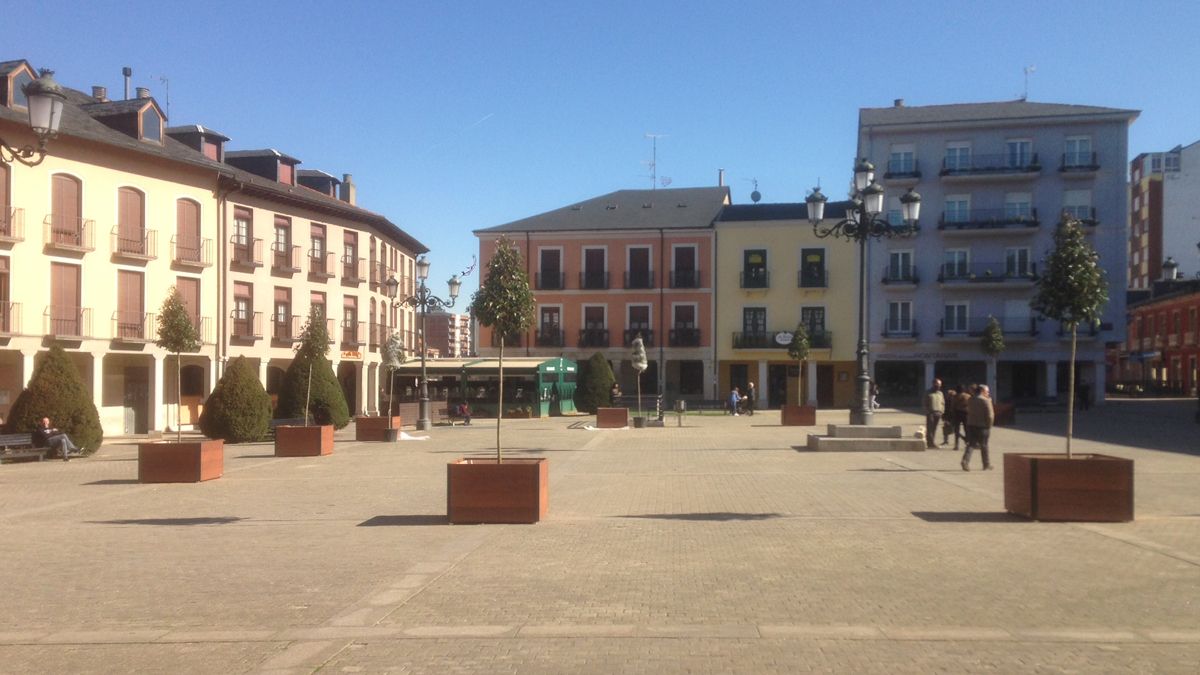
[(798, 415), (1086, 488), (187, 462), (479, 490), (612, 418), (374, 428), (311, 441)]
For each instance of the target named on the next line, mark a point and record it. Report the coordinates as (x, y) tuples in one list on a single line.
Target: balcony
[(638, 279), (513, 340), (988, 220), (285, 259), (10, 318), (1002, 166), (812, 278), (1083, 331), (974, 327), (905, 275), (69, 234), (354, 269), (321, 263), (550, 281), (286, 329), (646, 333), (133, 327), (549, 337), (191, 252), (1085, 216), (375, 335), (1079, 164), (246, 253), (779, 339), (203, 326), (245, 326), (986, 273), (685, 279), (900, 331), (12, 225), (354, 333), (133, 243), (755, 278), (66, 323), (902, 172), (684, 336), (593, 337), (593, 281)]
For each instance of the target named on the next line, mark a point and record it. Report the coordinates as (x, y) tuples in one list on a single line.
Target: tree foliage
[(238, 409), (325, 403), (640, 364), (176, 334), (992, 342), (594, 386), (799, 347), (57, 391)]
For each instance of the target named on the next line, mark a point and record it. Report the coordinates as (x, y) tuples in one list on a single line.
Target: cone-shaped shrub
[(594, 387), (326, 403), (239, 409), (57, 391)]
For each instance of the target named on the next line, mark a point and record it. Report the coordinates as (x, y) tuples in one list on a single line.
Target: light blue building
[(994, 179)]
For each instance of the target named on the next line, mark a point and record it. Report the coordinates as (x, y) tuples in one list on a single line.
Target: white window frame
[(903, 318), (962, 264), (695, 313), (1018, 204), (583, 315), (1079, 203), (1074, 154), (649, 314), (964, 319), (955, 158), (550, 305), (959, 199), (1024, 157), (1023, 259), (905, 155), (562, 258), (592, 247), (892, 272)]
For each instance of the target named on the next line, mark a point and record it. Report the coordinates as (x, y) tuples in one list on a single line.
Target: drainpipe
[(529, 273), (663, 333), (713, 275), (226, 187)]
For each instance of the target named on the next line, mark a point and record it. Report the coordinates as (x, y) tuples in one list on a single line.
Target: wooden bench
[(19, 446)]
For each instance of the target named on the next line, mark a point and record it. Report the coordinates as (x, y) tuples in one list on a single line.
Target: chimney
[(720, 177), (128, 73), (100, 93), (1169, 269), (898, 103), (348, 190), (143, 92)]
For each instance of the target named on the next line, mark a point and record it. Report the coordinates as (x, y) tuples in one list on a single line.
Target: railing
[(550, 281), (982, 219), (245, 326), (375, 336), (818, 279), (985, 273), (549, 337), (684, 337), (12, 224), (773, 340), (1079, 161), (975, 326), (137, 244), (755, 278), (354, 333), (69, 233), (685, 279), (285, 258), (513, 340), (991, 164), (67, 322), (10, 318), (646, 333), (133, 326), (900, 331), (192, 251), (1088, 217), (593, 337), (203, 326), (639, 279), (286, 328), (245, 252), (902, 169), (593, 280), (320, 263), (906, 274), (354, 269)]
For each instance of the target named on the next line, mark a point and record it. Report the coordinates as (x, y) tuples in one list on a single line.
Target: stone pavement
[(721, 547)]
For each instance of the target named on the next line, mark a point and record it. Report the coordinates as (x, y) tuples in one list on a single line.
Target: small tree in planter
[(393, 358), (803, 413), (992, 344), (177, 334), (594, 386), (310, 389), (56, 391), (798, 349), (238, 409), (640, 364)]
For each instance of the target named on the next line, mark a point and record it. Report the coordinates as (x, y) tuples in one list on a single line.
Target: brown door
[(65, 227), (189, 290), (131, 222), (5, 209), (824, 385), (130, 307), (65, 312), (5, 309), (187, 234)]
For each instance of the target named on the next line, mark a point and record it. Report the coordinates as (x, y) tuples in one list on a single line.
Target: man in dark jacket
[(980, 417), (49, 436), (935, 407)]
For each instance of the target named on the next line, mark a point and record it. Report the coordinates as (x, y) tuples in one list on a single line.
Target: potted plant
[(640, 364), (799, 414), (177, 461), (384, 427), (493, 489), (1091, 487), (57, 391), (594, 394), (311, 395), (992, 344)]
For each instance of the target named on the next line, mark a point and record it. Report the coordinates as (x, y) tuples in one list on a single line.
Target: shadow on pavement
[(215, 520), (402, 521), (1153, 424), (114, 481), (906, 470), (715, 516), (270, 456), (969, 517)]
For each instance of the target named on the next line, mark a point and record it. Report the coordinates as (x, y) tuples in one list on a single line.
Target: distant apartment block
[(448, 334), (1164, 216), (1162, 352)]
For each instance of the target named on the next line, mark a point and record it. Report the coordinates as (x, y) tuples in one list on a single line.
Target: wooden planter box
[(1006, 414), (612, 418), (1096, 488), (187, 462), (798, 415), (374, 428), (311, 441), (478, 490)]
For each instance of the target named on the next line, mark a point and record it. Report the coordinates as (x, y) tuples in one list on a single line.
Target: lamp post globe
[(423, 301), (45, 99)]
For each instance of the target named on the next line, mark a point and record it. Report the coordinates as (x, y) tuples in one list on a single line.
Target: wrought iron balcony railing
[(812, 279), (900, 169), (133, 326), (639, 279), (684, 336), (354, 333), (975, 326), (191, 251), (12, 224), (904, 274), (245, 325), (986, 273), (285, 258), (10, 318), (63, 321), (685, 279), (593, 337), (987, 219), (354, 269), (593, 281), (900, 330), (321, 263), (69, 233), (755, 278), (134, 243), (549, 337), (550, 281), (513, 340), (980, 165), (1079, 162), (245, 252), (631, 333)]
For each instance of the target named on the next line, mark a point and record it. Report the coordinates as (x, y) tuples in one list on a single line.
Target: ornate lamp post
[(423, 301), (45, 104), (863, 221)]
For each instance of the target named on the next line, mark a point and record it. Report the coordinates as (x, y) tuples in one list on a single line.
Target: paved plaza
[(720, 546)]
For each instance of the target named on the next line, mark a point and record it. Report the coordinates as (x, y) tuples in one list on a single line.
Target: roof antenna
[(1028, 70), (653, 163)]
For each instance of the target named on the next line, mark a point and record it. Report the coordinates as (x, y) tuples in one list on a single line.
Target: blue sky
[(454, 116)]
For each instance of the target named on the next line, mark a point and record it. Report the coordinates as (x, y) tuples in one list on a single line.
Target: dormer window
[(151, 123), (22, 78)]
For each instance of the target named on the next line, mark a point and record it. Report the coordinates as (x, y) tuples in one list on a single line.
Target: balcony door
[(685, 267), (131, 293), (6, 321), (594, 272), (65, 294), (754, 320), (189, 290), (187, 230), (131, 222), (813, 319), (639, 268), (550, 269), (550, 326), (65, 211)]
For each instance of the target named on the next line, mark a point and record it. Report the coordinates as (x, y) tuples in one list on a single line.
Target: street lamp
[(423, 301), (863, 221), (45, 103)]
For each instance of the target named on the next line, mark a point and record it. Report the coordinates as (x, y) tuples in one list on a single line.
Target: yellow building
[(124, 207), (773, 273)]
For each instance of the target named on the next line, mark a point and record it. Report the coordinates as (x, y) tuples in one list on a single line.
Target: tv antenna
[(166, 94), (653, 163), (1029, 70), (755, 196)]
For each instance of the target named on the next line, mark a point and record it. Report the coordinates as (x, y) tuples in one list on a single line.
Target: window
[(318, 263), (899, 266), (1171, 162), (813, 319), (130, 305), (899, 321), (243, 227), (958, 209), (1018, 205), (282, 247), (812, 268), (151, 123), (754, 268), (639, 274), (187, 231), (281, 317), (1077, 151), (685, 316), (691, 378), (595, 268), (594, 316), (956, 318), (958, 156), (639, 318), (1078, 204), (684, 273), (243, 309), (902, 159), (317, 301), (1155, 163), (550, 275), (550, 326), (66, 292), (131, 219), (66, 221), (956, 263), (19, 82), (350, 320), (1016, 262), (754, 320), (1018, 153)]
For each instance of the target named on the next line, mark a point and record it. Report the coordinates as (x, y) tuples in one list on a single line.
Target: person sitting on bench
[(464, 411), (47, 436)]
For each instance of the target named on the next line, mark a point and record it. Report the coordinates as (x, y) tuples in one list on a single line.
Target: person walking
[(734, 399), (935, 407), (960, 402), (980, 417), (749, 399), (948, 417), (49, 436)]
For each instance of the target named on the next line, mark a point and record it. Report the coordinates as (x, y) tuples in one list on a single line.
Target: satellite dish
[(755, 196)]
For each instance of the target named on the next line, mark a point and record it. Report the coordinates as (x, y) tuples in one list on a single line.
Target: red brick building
[(1161, 352)]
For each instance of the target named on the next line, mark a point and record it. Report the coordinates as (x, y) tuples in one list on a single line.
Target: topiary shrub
[(326, 403), (238, 409), (594, 388), (57, 391)]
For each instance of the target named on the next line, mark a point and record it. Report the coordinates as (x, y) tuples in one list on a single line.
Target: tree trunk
[(178, 399), (500, 403), (1071, 391)]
